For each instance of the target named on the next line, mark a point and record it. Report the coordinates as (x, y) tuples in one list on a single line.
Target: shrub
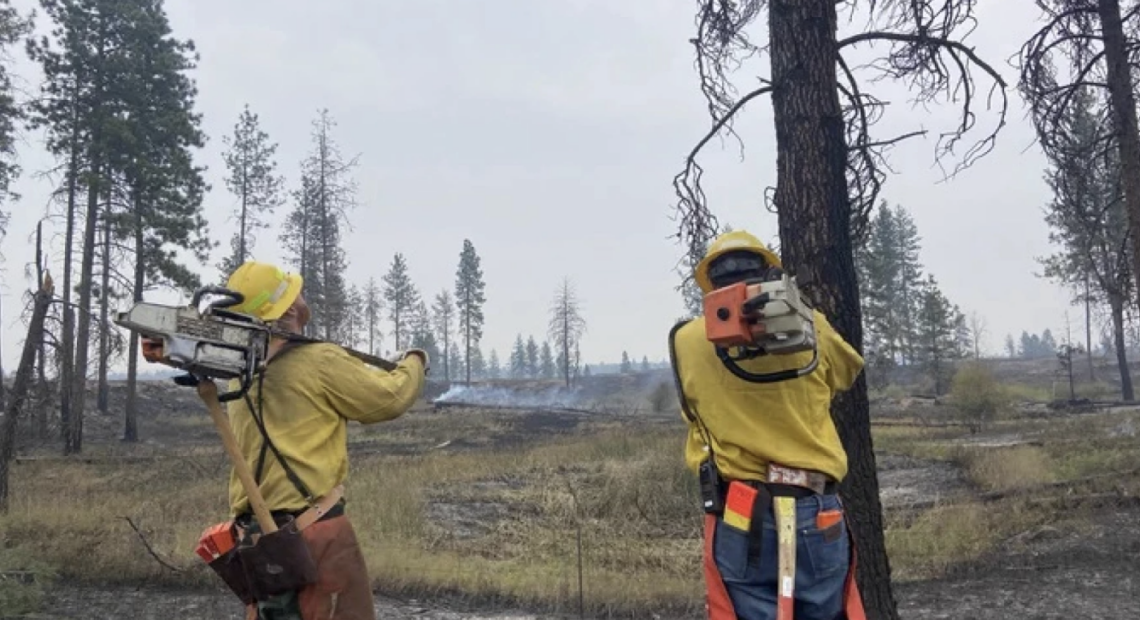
[(977, 395), (663, 398)]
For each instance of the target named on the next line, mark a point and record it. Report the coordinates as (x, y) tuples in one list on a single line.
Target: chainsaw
[(214, 342), (761, 317)]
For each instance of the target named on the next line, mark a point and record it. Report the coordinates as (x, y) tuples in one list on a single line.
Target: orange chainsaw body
[(726, 325)]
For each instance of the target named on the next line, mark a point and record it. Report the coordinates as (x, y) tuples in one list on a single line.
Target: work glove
[(402, 355)]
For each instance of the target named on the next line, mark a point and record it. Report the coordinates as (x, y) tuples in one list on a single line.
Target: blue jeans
[(822, 560)]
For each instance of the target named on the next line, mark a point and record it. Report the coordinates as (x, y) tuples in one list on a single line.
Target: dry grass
[(628, 490), (502, 524)]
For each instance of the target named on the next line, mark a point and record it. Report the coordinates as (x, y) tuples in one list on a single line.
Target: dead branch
[(150, 549)]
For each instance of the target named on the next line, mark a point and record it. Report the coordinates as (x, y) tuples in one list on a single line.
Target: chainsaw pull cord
[(259, 419)]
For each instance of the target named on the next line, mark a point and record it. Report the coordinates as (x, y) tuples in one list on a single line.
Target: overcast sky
[(548, 133)]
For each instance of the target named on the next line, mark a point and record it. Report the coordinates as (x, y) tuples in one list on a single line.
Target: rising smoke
[(557, 396)]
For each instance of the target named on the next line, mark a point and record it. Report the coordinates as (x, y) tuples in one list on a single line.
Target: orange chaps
[(718, 605), (343, 590)]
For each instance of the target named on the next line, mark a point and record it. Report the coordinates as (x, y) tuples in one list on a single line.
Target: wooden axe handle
[(208, 391)]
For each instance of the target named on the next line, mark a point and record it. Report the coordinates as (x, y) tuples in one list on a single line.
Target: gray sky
[(548, 133)]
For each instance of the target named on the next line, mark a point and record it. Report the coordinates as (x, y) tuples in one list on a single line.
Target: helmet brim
[(701, 273)]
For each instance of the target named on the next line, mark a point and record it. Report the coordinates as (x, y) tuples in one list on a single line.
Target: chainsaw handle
[(230, 298), (771, 377)]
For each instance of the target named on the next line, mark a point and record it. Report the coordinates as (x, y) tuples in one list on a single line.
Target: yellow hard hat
[(736, 240), (267, 290)]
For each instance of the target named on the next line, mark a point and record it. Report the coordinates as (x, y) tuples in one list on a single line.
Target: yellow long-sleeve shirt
[(753, 424), (309, 395)]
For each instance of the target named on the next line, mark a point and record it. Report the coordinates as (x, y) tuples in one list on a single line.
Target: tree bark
[(67, 346), (41, 411), (814, 220), (1123, 102), (1117, 304), (130, 419), (104, 310), (1088, 328), (20, 387)]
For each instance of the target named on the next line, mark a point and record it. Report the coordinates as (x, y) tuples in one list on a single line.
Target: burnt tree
[(830, 168), (22, 384)]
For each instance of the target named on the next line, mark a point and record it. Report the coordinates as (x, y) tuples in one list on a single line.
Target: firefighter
[(747, 432), (292, 429)]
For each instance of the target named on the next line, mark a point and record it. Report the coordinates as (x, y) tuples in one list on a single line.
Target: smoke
[(557, 396)]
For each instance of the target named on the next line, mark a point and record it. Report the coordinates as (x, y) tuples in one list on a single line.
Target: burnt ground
[(1051, 574), (1095, 574)]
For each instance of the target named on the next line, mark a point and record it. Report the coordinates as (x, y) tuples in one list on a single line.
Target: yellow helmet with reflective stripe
[(268, 291), (733, 241)]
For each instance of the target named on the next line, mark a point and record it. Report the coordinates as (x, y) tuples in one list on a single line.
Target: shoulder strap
[(259, 419), (690, 415)]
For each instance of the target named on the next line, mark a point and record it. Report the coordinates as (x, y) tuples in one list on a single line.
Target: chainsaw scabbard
[(229, 567), (278, 562)]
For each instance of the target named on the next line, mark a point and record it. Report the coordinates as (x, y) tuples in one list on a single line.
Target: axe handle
[(208, 391)]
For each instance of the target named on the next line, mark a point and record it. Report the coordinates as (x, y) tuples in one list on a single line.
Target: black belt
[(280, 517)]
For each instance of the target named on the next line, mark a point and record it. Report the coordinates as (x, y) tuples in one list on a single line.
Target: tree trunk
[(1117, 304), (21, 385), (104, 310), (67, 346), (1123, 102), (83, 332), (467, 348), (1088, 328), (130, 419), (814, 220), (41, 411)]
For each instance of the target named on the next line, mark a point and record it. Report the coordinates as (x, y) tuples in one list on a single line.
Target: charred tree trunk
[(104, 311), (1117, 304), (21, 386), (41, 411), (130, 423), (67, 346), (1123, 102), (83, 331), (814, 219), (1088, 328)]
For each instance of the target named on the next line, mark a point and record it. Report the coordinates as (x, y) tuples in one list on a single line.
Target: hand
[(422, 355), (152, 349)]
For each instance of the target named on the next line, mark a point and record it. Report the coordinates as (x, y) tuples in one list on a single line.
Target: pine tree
[(402, 297), (626, 365), (478, 368), (13, 26), (890, 278), (494, 368), (1010, 348), (443, 317), (518, 359), (422, 335), (1089, 224), (547, 368), (297, 237), (531, 358), (469, 299), (332, 197), (566, 328), (373, 305), (938, 340), (645, 363), (458, 368), (118, 108), (355, 327), (252, 179)]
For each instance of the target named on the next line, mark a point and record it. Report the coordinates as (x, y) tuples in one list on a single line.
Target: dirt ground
[(1054, 574)]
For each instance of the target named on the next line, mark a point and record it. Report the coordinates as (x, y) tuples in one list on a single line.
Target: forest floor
[(481, 506)]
